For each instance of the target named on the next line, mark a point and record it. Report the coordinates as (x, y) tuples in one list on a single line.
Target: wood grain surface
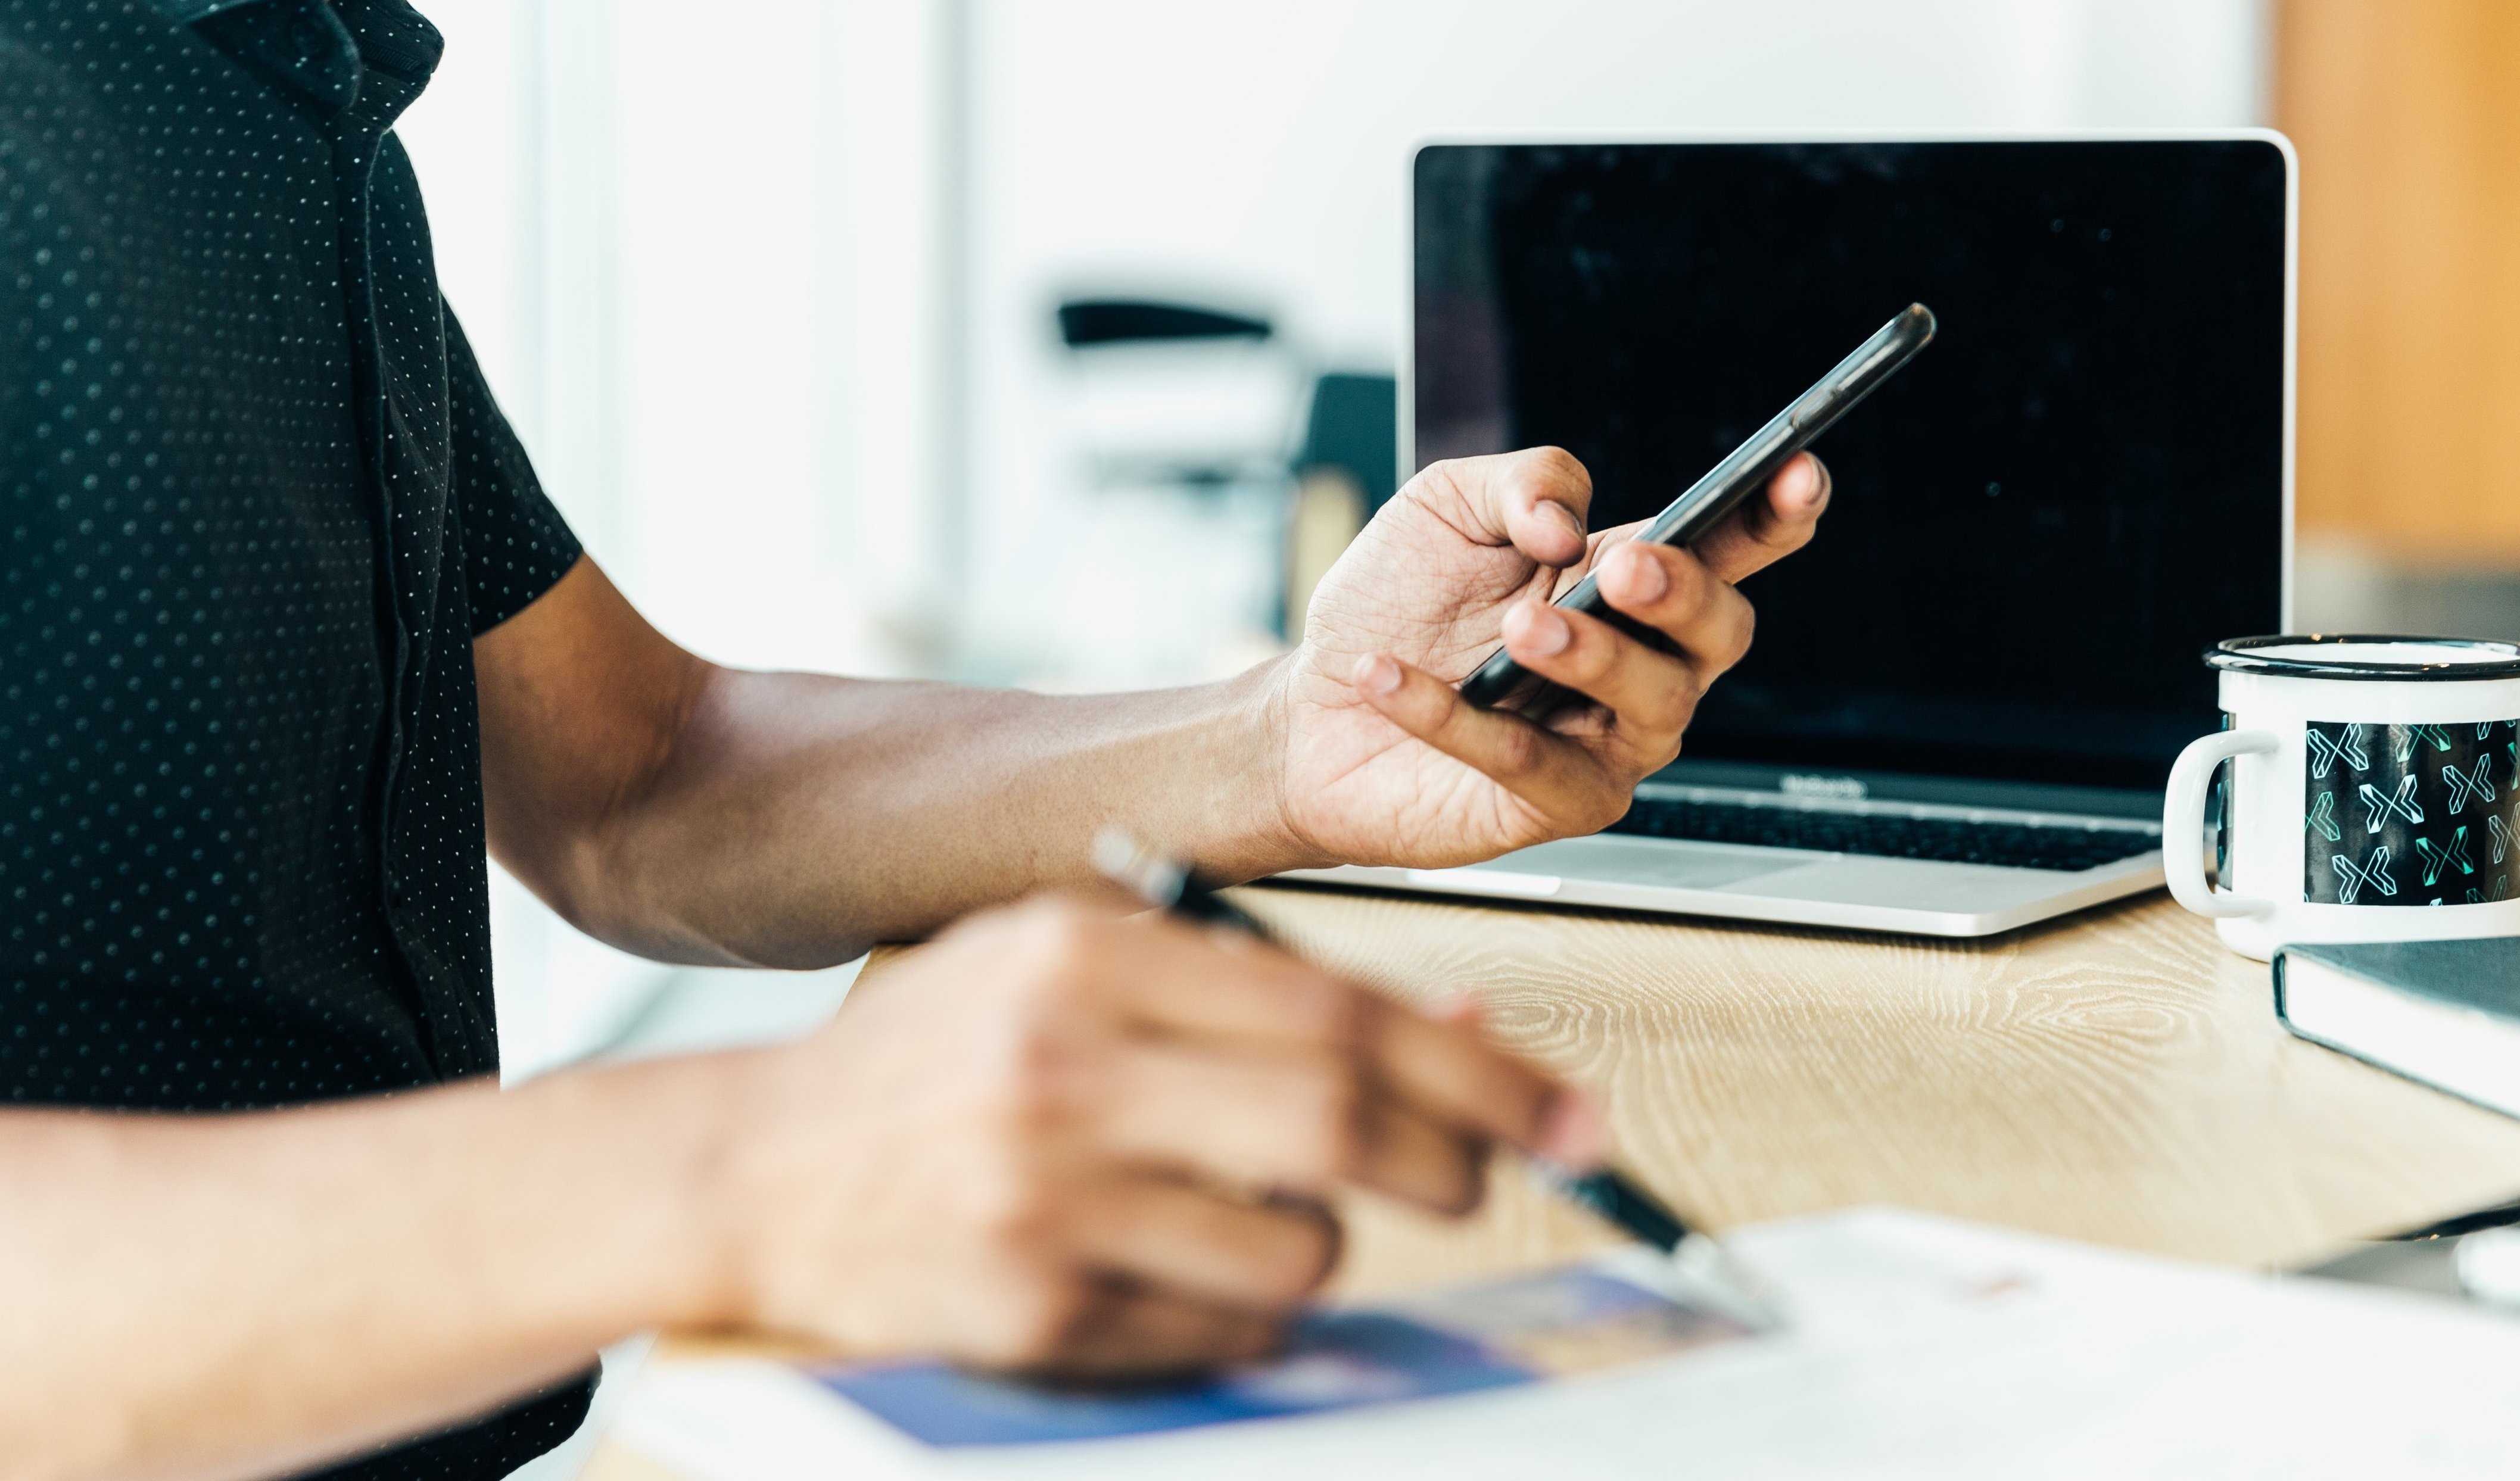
[(2118, 1077)]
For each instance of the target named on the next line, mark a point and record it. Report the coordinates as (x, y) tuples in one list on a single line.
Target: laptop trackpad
[(1642, 860)]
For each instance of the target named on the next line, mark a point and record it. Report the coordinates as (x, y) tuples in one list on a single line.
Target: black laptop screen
[(2037, 525)]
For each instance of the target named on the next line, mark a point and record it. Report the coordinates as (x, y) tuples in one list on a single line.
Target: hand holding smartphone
[(1745, 470)]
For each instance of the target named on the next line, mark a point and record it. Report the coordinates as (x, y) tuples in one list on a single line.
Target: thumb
[(1535, 499)]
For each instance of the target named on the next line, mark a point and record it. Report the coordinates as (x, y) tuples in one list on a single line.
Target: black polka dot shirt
[(256, 502)]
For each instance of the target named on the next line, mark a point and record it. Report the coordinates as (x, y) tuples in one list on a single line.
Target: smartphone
[(1745, 470)]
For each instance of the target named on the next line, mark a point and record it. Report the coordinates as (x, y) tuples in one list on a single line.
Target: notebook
[(2443, 1013)]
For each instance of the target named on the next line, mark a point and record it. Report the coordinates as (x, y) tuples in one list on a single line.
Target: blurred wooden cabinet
[(2407, 113)]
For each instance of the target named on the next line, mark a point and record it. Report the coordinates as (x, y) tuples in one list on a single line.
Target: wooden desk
[(2118, 1077)]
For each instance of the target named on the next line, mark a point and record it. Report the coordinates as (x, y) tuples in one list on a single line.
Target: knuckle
[(1056, 1001), (1667, 710), (1604, 807), (1554, 463), (1018, 1215), (1304, 1257), (1056, 968), (1045, 1075), (1771, 530), (1326, 1009), (1043, 1071), (1689, 581), (1683, 708), (1442, 479), (1516, 752), (1690, 692), (1041, 1320), (1746, 626), (1594, 654)]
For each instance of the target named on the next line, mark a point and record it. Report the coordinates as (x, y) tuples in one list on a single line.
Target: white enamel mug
[(2372, 793)]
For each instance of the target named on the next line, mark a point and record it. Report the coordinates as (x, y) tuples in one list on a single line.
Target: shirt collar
[(311, 48)]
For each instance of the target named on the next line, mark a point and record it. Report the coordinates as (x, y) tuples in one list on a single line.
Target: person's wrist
[(1257, 834), (693, 1131)]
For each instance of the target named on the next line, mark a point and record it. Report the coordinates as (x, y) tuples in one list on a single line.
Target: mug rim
[(2242, 656)]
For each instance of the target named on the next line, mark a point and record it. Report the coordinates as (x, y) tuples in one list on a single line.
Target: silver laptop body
[(1965, 694), (1807, 885)]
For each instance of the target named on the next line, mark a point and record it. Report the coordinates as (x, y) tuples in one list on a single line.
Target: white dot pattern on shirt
[(256, 501)]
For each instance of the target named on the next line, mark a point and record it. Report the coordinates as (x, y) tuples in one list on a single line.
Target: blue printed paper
[(1501, 1334)]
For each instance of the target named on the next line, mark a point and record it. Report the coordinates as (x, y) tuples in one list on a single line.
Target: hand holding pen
[(1576, 1167)]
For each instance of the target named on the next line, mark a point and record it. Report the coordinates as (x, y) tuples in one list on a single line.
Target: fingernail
[(1544, 631), (1573, 1133), (1816, 482), (1564, 517), (1645, 579), (1378, 674)]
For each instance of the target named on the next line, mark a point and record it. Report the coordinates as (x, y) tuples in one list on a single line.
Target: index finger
[(1771, 524), (1453, 1073), (1177, 981), (1178, 978)]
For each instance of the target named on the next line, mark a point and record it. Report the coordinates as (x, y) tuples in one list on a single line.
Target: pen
[(1611, 1195)]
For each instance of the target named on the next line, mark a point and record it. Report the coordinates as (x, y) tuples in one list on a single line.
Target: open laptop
[(1966, 695)]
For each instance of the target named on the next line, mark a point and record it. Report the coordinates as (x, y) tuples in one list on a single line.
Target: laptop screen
[(2036, 527)]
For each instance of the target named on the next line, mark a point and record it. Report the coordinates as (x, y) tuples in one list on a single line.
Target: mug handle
[(2183, 821)]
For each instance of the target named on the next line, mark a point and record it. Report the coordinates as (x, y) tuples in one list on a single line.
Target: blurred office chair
[(1206, 400), (1178, 394), (1346, 468), (1087, 322)]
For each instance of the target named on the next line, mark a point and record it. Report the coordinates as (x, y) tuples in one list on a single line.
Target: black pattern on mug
[(2411, 814)]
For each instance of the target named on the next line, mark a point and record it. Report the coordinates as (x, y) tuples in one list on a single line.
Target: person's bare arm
[(697, 813), (248, 1294), (1035, 1145)]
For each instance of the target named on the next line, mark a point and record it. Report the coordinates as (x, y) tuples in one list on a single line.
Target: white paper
[(1919, 1347)]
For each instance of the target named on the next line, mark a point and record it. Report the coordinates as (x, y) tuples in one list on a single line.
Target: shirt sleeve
[(516, 544)]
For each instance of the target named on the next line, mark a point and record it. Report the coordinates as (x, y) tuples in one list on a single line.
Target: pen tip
[(1715, 1267)]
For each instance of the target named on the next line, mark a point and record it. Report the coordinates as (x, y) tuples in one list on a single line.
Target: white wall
[(702, 264), (1260, 150), (705, 267)]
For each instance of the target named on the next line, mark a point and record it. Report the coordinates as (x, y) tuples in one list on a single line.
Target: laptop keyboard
[(1951, 840)]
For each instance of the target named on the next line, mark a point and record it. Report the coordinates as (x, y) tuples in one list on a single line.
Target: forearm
[(797, 817), (248, 1294)]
